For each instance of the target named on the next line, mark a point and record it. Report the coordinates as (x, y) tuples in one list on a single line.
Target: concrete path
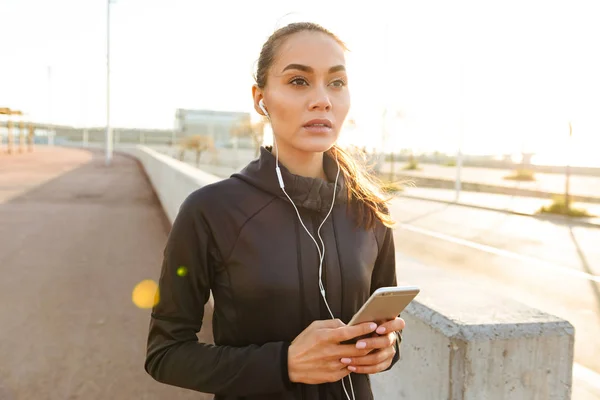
[(526, 206), (581, 185), (75, 239), (549, 266)]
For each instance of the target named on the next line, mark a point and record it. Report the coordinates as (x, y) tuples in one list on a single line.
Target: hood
[(309, 193)]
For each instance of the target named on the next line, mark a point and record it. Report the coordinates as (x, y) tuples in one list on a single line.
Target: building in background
[(217, 124)]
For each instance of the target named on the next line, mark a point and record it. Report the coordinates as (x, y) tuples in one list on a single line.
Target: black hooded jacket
[(241, 239)]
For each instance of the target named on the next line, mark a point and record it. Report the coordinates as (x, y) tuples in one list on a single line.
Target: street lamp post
[(109, 141), (568, 171), (50, 132), (459, 155)]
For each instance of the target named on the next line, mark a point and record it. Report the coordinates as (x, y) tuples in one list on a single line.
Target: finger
[(370, 369), (337, 351), (350, 332), (336, 365), (374, 358), (394, 325), (377, 342)]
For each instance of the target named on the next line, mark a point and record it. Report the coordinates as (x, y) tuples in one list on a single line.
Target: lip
[(323, 121)]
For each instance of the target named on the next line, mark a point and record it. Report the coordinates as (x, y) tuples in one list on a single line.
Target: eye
[(338, 83), (299, 81)]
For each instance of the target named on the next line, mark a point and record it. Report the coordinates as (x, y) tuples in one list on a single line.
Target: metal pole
[(459, 156), (30, 137), (50, 130), (86, 138), (9, 135), (21, 135), (109, 143), (568, 171)]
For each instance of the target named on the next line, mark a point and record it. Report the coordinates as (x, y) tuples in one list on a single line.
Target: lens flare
[(182, 271), (145, 294)]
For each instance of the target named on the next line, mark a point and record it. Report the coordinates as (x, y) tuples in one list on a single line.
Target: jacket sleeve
[(174, 355), (384, 274)]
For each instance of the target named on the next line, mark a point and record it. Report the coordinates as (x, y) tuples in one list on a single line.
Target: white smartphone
[(385, 304)]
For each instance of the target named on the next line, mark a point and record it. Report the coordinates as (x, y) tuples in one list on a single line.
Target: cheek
[(286, 114), (342, 106)]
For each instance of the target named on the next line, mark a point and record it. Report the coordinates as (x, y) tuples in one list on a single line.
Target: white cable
[(321, 252)]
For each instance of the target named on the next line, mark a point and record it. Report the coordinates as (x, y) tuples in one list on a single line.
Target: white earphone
[(261, 104)]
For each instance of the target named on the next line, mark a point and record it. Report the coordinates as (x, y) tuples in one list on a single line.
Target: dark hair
[(365, 191)]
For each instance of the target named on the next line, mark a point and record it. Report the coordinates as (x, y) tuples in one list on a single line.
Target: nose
[(320, 101)]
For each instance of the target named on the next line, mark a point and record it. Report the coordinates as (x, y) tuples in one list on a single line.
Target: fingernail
[(361, 345), (346, 360), (381, 330), (351, 368), (373, 326)]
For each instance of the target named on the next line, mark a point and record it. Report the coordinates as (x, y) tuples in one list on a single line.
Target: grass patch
[(559, 207), (525, 175), (392, 187), (412, 165), (449, 163)]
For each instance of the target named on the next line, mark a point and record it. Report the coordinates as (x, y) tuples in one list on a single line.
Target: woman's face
[(306, 94)]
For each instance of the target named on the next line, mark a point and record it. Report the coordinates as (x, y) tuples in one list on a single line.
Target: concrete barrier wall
[(172, 179), (467, 342), (462, 341)]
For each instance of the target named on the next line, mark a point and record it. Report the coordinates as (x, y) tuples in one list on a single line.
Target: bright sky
[(528, 67)]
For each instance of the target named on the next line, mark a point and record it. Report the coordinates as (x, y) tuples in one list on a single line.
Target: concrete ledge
[(172, 179), (462, 341), (469, 343)]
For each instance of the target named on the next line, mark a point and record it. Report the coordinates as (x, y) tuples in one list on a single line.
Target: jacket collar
[(309, 193)]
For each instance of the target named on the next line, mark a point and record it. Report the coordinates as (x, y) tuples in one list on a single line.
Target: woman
[(261, 248)]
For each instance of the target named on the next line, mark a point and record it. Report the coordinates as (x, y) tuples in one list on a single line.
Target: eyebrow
[(308, 69)]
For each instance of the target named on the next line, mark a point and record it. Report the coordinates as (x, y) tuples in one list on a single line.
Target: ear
[(257, 95)]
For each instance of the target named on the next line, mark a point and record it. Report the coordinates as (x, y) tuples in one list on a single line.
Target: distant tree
[(197, 144), (254, 130)]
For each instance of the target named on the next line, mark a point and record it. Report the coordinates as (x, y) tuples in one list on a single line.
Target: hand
[(315, 355), (382, 348)]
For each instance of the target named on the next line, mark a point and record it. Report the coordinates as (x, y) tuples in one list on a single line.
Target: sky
[(490, 77)]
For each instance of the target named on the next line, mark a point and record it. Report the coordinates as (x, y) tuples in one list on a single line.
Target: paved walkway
[(581, 185), (75, 239), (501, 202)]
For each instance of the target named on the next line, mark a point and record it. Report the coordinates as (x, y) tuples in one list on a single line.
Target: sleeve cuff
[(285, 375)]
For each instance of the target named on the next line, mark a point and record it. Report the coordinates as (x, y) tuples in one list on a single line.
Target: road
[(554, 268)]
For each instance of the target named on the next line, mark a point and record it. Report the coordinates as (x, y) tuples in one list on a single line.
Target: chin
[(315, 144)]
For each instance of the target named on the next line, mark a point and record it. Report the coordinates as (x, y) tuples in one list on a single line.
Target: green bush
[(522, 175), (450, 163), (392, 187), (559, 207), (412, 165)]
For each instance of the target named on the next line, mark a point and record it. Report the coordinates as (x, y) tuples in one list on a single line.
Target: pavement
[(580, 185), (547, 265), (76, 238), (518, 205)]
